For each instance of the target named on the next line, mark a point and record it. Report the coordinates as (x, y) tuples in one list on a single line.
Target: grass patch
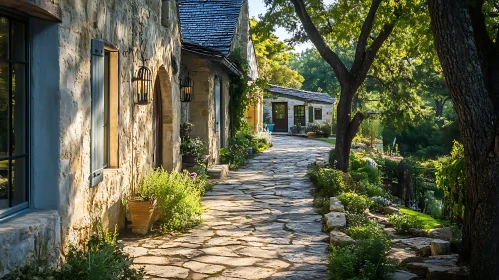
[(330, 141), (428, 221)]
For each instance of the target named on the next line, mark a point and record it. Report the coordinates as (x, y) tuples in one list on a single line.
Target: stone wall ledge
[(29, 235)]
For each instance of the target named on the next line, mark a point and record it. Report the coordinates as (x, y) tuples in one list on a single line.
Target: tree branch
[(365, 33), (354, 124), (325, 51)]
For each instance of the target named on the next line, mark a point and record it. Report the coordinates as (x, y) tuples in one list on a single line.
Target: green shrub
[(366, 259), (178, 198), (331, 158), (328, 182), (356, 220), (451, 178), (402, 223), (235, 153), (373, 189), (355, 203), (357, 161), (102, 258), (370, 231), (379, 202)]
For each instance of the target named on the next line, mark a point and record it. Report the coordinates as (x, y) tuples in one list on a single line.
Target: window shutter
[(310, 114), (97, 129)]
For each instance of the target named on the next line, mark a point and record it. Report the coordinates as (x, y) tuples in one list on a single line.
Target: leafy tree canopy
[(273, 58)]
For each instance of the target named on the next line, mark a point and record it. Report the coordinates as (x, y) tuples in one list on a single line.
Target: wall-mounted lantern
[(186, 89), (144, 86)]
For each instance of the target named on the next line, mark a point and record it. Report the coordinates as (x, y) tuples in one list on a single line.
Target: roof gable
[(209, 23), (302, 94)]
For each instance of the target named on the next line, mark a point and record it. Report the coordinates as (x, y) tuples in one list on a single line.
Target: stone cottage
[(286, 107), (73, 140), (211, 31)]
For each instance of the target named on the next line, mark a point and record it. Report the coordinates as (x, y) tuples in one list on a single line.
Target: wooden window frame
[(318, 116)]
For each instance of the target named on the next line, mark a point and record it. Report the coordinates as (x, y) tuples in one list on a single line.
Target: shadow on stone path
[(260, 224)]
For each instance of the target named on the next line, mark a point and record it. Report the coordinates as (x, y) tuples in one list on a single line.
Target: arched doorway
[(163, 135)]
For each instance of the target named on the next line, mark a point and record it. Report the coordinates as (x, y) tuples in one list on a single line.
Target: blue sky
[(257, 7)]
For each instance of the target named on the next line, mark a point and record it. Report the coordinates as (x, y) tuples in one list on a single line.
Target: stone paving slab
[(260, 224)]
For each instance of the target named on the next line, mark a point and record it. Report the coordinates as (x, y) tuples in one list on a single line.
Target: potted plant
[(268, 121), (142, 207), (192, 149)]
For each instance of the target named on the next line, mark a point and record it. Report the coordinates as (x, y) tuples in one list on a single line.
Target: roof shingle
[(209, 23), (302, 94)]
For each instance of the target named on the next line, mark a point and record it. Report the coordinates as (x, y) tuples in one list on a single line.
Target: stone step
[(218, 172)]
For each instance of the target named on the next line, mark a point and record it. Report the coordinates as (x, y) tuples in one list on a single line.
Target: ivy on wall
[(244, 92)]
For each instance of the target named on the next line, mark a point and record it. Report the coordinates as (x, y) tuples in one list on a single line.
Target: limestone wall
[(119, 22), (327, 109), (202, 107), (241, 34)]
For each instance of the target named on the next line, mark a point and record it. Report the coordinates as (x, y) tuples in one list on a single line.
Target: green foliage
[(102, 258), (273, 58), (178, 198), (360, 170), (402, 223), (387, 166), (243, 94), (357, 220), (379, 202), (235, 153), (366, 259), (328, 182), (373, 189), (193, 146), (369, 231), (451, 178), (354, 202)]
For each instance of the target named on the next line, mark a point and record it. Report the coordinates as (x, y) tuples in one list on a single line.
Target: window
[(318, 113), (104, 142), (299, 115), (310, 114), (14, 121)]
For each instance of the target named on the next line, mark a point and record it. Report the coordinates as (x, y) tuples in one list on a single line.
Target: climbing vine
[(451, 178), (243, 91)]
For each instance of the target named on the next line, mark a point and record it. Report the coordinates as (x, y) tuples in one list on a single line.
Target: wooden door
[(157, 126), (280, 116)]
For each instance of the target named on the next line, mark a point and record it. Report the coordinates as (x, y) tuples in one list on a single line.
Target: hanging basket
[(142, 214)]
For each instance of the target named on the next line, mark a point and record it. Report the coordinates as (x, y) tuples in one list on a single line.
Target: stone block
[(218, 172), (336, 205), (334, 220), (24, 237), (441, 233), (403, 275), (337, 238), (440, 247), (420, 244), (391, 210)]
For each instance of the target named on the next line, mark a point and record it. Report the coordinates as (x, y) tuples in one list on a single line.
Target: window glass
[(299, 115), (4, 38), (18, 44), (13, 114), (318, 113), (19, 133), (4, 109)]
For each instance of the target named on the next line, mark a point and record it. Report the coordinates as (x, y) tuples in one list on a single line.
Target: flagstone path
[(260, 224)]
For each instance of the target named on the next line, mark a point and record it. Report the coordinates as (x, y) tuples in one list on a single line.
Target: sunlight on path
[(260, 224)]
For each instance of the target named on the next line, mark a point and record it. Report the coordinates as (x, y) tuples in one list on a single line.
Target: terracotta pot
[(142, 214), (311, 135)]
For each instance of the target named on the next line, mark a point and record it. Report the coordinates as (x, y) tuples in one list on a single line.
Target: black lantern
[(186, 86), (144, 86)]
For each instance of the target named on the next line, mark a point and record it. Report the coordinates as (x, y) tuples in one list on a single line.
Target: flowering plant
[(193, 146)]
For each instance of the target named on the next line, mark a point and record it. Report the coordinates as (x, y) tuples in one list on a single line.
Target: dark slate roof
[(212, 55), (209, 23), (302, 94)]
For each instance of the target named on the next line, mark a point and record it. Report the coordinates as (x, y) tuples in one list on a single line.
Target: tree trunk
[(346, 129), (459, 55), (439, 108)]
